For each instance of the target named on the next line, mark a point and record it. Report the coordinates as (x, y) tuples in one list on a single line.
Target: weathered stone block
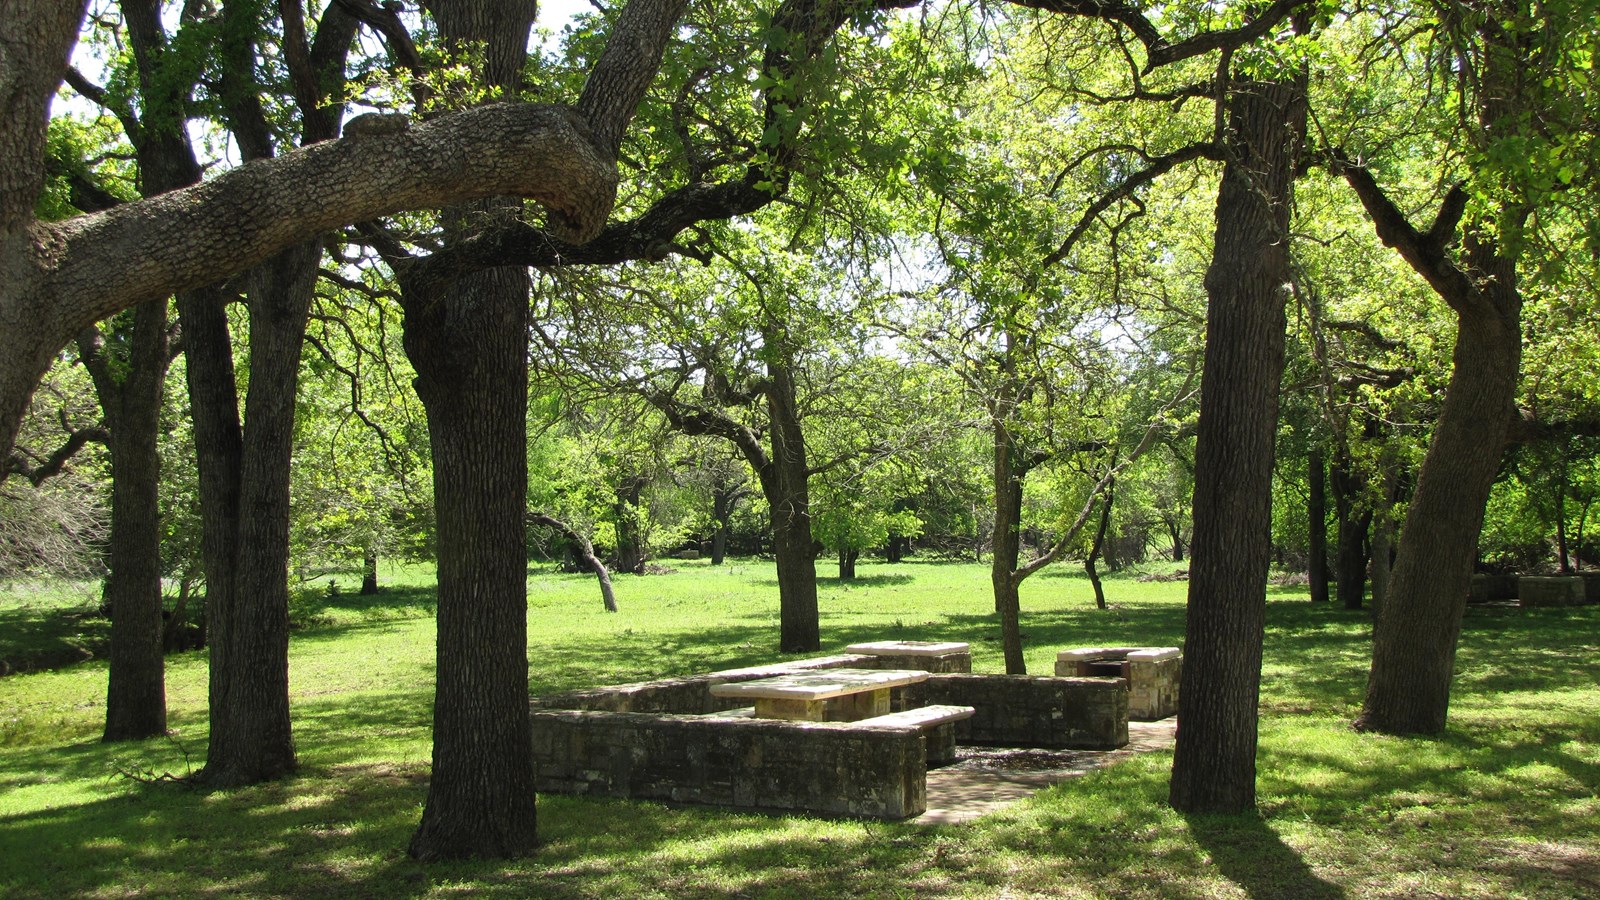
[(1554, 590), (929, 656), (1153, 675), (690, 695), (827, 768), (1035, 710)]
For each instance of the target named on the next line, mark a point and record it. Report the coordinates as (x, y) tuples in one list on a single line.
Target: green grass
[(1503, 806)]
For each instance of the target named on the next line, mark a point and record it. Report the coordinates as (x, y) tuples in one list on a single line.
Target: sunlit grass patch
[(1503, 805)]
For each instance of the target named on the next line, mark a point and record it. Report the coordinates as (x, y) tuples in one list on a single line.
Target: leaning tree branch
[(1426, 253), (58, 460)]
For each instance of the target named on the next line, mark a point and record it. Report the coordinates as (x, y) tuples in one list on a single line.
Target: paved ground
[(985, 779)]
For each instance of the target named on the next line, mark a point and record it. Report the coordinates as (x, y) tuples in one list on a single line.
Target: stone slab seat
[(937, 722)]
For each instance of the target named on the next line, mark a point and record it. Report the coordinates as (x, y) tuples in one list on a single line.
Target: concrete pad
[(982, 783)]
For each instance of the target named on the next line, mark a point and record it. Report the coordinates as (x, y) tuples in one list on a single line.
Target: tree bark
[(847, 563), (1214, 764), (251, 738), (790, 500), (630, 545), (369, 573), (1006, 546), (469, 351), (136, 700), (1414, 641), (467, 341), (1317, 522), (1099, 542), (1354, 522)]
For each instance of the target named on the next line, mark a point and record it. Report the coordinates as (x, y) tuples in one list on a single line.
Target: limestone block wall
[(825, 768), (1033, 710), (1551, 591)]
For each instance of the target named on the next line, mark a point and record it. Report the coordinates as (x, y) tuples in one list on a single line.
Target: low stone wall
[(691, 695), (1551, 591), (825, 768), (1492, 588), (1032, 710)]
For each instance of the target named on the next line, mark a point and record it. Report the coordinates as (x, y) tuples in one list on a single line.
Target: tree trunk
[(1177, 540), (136, 697), (1350, 557), (847, 563), (1382, 562), (467, 343), (467, 340), (625, 514), (790, 501), (1100, 542), (369, 574), (1214, 765), (251, 738), (722, 501), (580, 547), (1317, 522), (1006, 544), (898, 547), (1414, 641)]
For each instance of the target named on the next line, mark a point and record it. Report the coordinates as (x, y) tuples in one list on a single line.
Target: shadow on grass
[(35, 638), (1251, 855)]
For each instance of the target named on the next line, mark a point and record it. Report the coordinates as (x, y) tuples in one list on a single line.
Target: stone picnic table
[(824, 695)]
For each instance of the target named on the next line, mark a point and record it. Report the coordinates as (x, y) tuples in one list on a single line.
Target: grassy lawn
[(1504, 806)]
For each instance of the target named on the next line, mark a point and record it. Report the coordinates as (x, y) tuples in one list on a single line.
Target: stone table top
[(909, 648), (820, 684)]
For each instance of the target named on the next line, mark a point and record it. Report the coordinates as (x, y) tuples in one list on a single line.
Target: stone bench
[(937, 723), (1153, 675)]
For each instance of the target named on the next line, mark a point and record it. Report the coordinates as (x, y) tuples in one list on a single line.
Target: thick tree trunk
[(1214, 766), (468, 345), (1317, 526), (1414, 641), (625, 515), (897, 548), (136, 698), (467, 340), (790, 501)]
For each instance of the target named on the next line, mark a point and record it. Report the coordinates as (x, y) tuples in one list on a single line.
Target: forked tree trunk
[(136, 698), (847, 563), (1414, 642), (251, 738), (1214, 766)]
